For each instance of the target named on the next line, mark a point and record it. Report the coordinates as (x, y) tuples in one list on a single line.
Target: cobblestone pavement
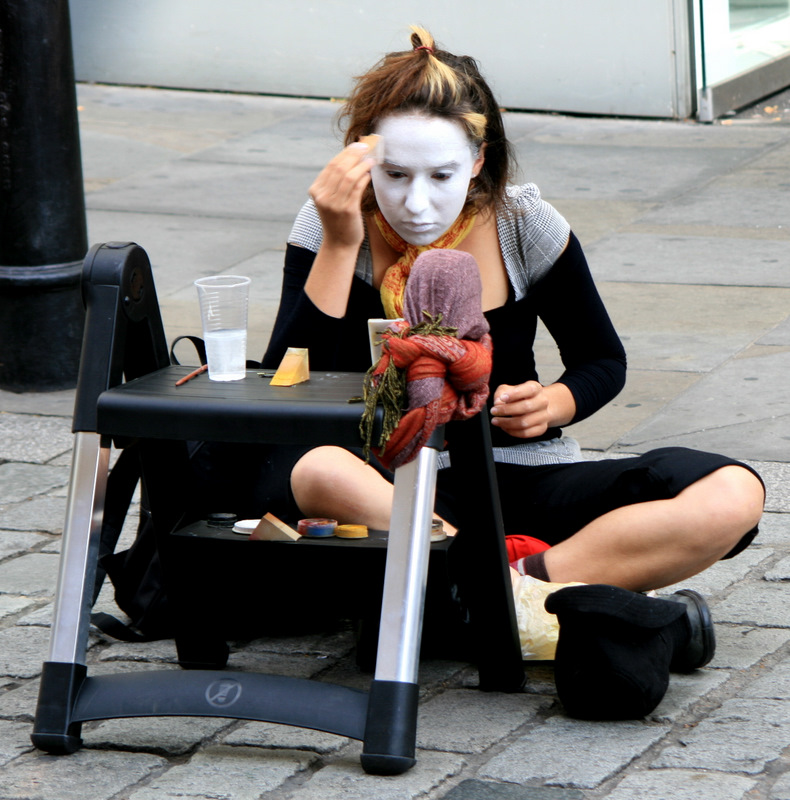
[(686, 229)]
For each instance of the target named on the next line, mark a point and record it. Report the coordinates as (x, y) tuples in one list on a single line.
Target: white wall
[(589, 56)]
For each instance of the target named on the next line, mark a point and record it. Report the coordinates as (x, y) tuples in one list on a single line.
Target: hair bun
[(422, 40)]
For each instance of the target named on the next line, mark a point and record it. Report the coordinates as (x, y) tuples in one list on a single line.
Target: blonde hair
[(434, 82)]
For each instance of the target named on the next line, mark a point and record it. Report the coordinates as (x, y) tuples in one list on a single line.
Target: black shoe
[(614, 650), (702, 640)]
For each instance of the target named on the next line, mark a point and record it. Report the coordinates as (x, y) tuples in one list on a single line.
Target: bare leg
[(654, 544), (332, 482), (638, 547)]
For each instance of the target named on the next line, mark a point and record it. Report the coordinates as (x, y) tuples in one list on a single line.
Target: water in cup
[(223, 309), (226, 353)]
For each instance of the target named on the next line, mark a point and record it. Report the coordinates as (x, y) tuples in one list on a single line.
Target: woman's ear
[(480, 160)]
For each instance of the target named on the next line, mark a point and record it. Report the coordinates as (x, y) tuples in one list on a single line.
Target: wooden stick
[(192, 375)]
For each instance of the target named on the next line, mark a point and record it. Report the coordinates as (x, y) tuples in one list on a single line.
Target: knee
[(731, 500), (313, 472)]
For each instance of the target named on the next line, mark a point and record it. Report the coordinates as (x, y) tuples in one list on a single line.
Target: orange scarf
[(394, 281)]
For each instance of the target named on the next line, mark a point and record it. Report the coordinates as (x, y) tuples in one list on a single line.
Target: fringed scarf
[(435, 364), (394, 281)]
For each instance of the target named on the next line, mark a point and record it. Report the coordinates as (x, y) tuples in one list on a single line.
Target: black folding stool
[(124, 338)]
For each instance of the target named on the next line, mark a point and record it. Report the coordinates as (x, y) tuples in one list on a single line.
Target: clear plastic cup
[(223, 309)]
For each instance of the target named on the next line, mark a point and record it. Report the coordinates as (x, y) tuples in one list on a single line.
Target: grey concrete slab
[(14, 741), (740, 647), (182, 120), (723, 204), (622, 172), (607, 132), (471, 789), (23, 651), (774, 527), (740, 409), (762, 604), (14, 543), (48, 404), (674, 327), (235, 773), (329, 644), (34, 574), (11, 605), (592, 218), (305, 141), (772, 683), (23, 481), (779, 336), (682, 784), (550, 753), (167, 736), (646, 392), (112, 156), (776, 475), (720, 576), (207, 189), (468, 721), (33, 439), (713, 261), (686, 690), (741, 736), (343, 778), (182, 248), (101, 774), (284, 737), (39, 514)]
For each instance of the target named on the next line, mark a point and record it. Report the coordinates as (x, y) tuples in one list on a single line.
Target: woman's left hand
[(530, 409)]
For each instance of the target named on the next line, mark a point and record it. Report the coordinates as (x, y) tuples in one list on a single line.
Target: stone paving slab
[(682, 784), (343, 779), (740, 409), (694, 275), (683, 260), (100, 773), (724, 203), (550, 754), (743, 735), (632, 173), (223, 191), (32, 439), (235, 773)]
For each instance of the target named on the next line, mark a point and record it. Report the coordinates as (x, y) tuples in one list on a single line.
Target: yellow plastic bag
[(537, 629)]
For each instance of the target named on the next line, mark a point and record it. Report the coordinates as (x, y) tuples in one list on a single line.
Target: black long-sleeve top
[(564, 298)]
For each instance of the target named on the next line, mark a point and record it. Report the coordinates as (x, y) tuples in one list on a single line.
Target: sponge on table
[(294, 368)]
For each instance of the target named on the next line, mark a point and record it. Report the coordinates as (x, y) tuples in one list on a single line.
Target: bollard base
[(41, 321)]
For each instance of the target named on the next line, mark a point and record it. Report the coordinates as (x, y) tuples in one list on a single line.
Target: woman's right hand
[(337, 194)]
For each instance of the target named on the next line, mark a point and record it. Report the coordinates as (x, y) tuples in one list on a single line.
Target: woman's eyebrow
[(448, 165)]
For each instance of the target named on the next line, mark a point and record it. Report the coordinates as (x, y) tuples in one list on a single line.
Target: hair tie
[(425, 47)]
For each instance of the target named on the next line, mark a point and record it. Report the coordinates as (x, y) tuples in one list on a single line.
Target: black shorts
[(552, 502)]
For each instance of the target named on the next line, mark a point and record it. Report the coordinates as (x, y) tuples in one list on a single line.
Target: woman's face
[(423, 179)]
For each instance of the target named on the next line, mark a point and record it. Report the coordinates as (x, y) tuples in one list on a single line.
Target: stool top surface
[(324, 410)]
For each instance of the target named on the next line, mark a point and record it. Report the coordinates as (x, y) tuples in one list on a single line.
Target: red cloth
[(522, 546), (446, 376), (463, 367)]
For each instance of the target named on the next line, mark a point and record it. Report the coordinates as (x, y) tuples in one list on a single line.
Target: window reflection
[(739, 35)]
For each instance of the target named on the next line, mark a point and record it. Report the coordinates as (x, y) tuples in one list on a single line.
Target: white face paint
[(423, 180)]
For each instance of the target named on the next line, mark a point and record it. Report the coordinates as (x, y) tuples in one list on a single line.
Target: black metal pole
[(43, 233)]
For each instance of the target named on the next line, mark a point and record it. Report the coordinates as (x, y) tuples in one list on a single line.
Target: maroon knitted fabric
[(446, 376)]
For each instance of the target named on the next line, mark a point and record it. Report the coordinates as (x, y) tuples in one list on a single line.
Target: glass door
[(739, 38)]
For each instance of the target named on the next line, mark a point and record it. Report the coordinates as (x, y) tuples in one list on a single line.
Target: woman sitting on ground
[(440, 179)]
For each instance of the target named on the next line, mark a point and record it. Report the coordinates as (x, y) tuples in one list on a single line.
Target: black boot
[(615, 649)]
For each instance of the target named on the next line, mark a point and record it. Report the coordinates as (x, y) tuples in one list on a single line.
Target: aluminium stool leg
[(64, 670), (391, 727)]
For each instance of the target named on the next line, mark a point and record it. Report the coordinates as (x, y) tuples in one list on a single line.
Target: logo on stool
[(222, 694)]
